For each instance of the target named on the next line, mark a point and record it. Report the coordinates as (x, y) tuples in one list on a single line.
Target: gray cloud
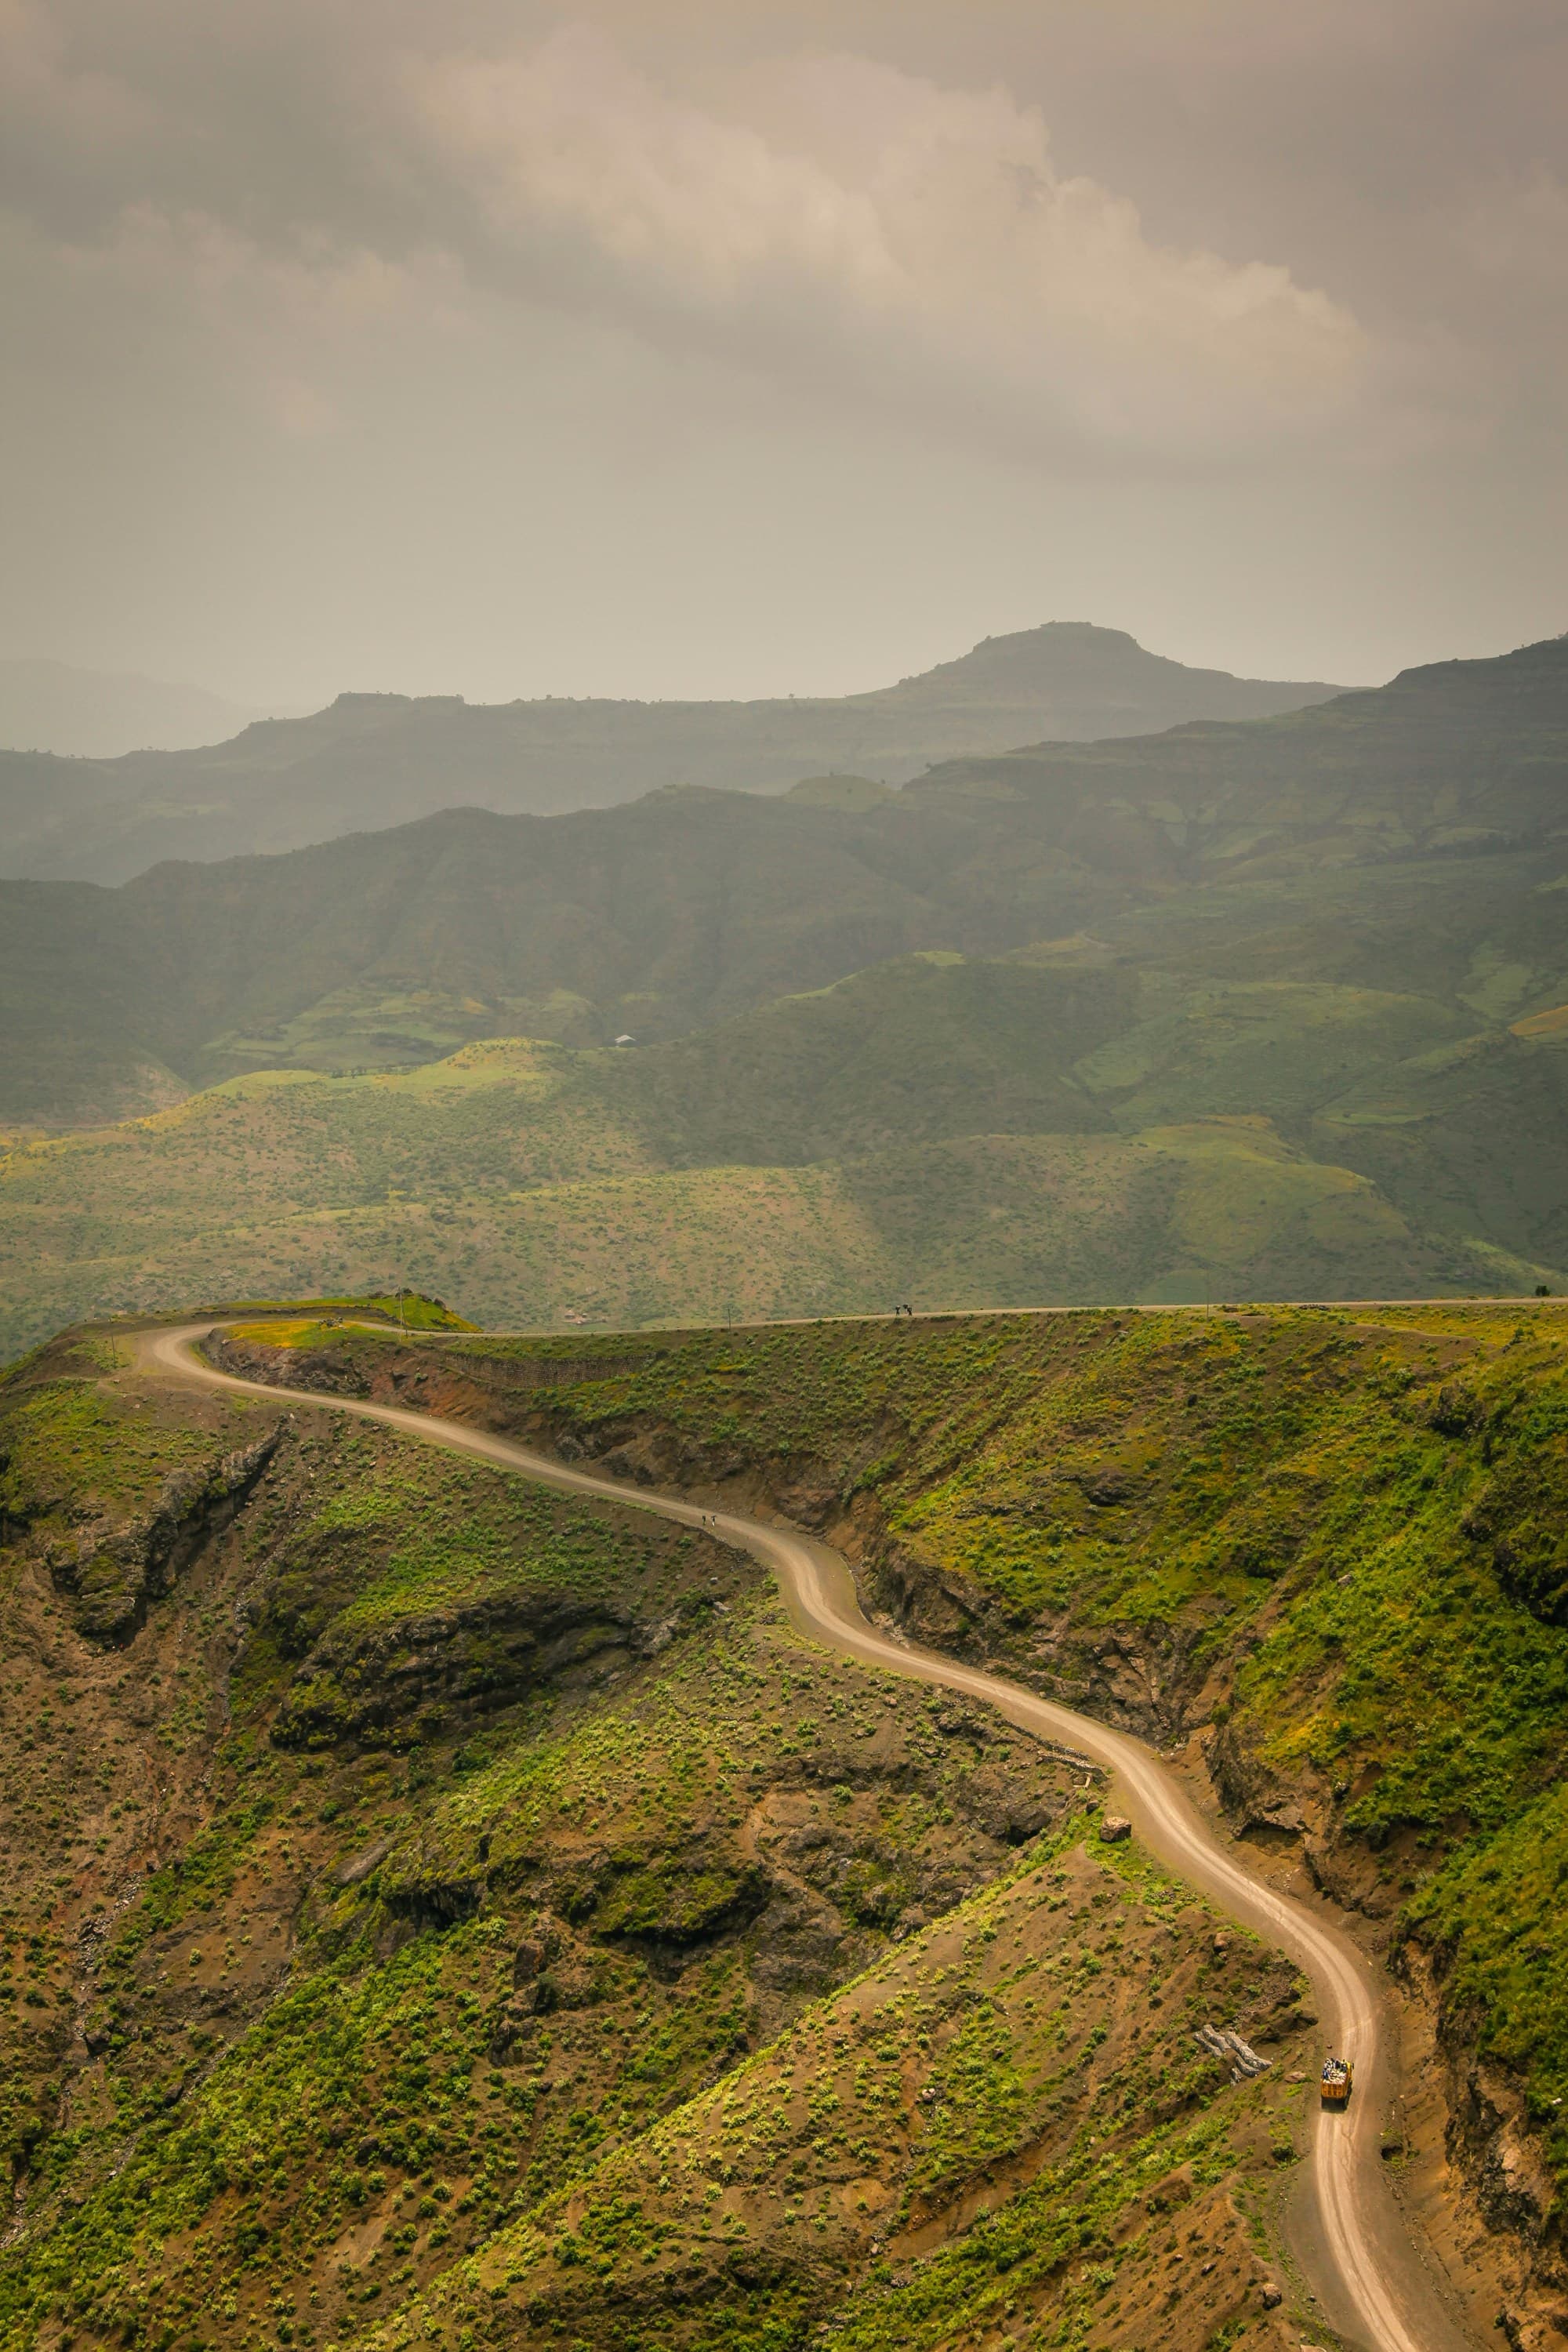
[(793, 340), (824, 217), (915, 241)]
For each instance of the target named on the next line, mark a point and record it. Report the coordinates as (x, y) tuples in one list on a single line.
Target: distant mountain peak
[(1076, 660), (1083, 632)]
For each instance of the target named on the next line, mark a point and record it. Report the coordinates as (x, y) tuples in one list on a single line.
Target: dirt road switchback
[(1370, 2279)]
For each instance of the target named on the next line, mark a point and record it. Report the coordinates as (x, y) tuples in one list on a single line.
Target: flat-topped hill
[(372, 759)]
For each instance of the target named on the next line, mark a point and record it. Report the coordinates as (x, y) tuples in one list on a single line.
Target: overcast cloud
[(912, 245), (1234, 324)]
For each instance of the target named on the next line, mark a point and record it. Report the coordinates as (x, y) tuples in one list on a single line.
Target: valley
[(453, 1907), (1058, 1129), (1404, 840)]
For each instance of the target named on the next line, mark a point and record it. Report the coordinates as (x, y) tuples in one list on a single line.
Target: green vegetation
[(72, 1441), (437, 1911), (954, 1132), (545, 1944), (989, 2041), (411, 1894), (1236, 1009), (1399, 842), (1336, 1538), (409, 1309)]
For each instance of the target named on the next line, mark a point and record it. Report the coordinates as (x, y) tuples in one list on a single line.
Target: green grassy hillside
[(1320, 1553), (1325, 1552), (1275, 1008), (435, 1907), (1050, 1128), (1358, 1527)]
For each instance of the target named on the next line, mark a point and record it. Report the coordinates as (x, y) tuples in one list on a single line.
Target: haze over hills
[(784, 1402), (1241, 1009), (1403, 836), (377, 760), (52, 706), (951, 1132)]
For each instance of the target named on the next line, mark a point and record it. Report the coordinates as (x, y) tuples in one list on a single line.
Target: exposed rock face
[(1521, 1518), (114, 1568), (1139, 1676), (1493, 2144), (330, 1371), (398, 1685)]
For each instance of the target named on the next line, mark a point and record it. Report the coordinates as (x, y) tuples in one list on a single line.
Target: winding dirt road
[(1371, 2282)]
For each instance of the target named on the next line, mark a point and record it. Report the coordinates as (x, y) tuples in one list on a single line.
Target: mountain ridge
[(372, 759), (1239, 1013), (690, 905)]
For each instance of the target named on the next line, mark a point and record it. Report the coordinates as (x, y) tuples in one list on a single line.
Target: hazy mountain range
[(690, 905), (382, 758), (1244, 1006)]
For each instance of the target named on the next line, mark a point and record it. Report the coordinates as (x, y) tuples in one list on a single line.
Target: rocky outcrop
[(1139, 1676), (111, 1569), (330, 1369), (406, 1680), (1494, 2145)]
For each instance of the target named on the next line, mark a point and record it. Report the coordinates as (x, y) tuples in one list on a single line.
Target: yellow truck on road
[(1338, 2076)]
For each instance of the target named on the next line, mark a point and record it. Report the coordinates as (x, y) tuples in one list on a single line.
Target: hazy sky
[(714, 347)]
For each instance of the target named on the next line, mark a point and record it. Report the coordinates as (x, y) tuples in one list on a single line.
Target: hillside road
[(1371, 2283)]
